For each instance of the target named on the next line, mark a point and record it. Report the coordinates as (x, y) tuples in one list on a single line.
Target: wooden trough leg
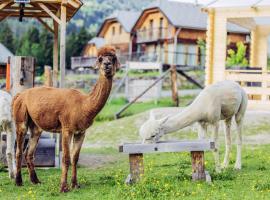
[(197, 159), (136, 168)]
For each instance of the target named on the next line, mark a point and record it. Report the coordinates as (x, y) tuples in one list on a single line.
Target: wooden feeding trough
[(195, 147)]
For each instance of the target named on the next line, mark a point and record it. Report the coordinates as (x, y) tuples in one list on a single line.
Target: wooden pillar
[(136, 167), (48, 76), (197, 160), (253, 48), (55, 54), (174, 85), (63, 43), (8, 76), (209, 48), (219, 49)]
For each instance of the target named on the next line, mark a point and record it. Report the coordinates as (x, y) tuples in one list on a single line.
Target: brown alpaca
[(65, 111)]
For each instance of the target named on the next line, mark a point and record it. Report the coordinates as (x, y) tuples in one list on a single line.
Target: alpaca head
[(107, 61), (152, 129)]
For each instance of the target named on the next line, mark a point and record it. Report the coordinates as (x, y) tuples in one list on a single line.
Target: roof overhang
[(39, 8)]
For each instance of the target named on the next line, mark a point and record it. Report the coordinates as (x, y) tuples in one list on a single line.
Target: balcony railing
[(153, 34), (166, 57), (77, 62)]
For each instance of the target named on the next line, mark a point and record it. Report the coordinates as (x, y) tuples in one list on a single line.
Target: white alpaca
[(7, 126), (221, 101)]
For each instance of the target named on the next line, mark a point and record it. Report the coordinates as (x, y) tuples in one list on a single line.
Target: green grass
[(115, 105), (167, 176)]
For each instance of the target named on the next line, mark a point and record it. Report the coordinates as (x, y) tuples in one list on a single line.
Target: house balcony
[(154, 34), (77, 62)]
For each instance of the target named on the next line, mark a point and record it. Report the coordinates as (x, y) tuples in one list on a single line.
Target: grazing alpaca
[(66, 111), (220, 101), (7, 126)]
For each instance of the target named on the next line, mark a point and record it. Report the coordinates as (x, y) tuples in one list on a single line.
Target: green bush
[(237, 58)]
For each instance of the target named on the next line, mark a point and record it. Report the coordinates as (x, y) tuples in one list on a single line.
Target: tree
[(75, 44), (237, 58), (6, 36)]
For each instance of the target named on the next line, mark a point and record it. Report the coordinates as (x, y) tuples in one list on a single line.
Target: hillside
[(90, 16)]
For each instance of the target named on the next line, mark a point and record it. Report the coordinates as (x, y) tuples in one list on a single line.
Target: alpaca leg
[(20, 132), (77, 144), (228, 142), (66, 138), (29, 154), (216, 151), (202, 130), (10, 150), (238, 163)]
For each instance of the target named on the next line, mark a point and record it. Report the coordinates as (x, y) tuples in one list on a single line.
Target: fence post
[(48, 76), (174, 85)]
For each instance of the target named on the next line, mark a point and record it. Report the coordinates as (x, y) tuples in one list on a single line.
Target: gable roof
[(4, 54), (97, 41), (126, 18), (186, 15)]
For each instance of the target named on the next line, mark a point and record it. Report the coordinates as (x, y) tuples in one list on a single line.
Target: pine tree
[(6, 36)]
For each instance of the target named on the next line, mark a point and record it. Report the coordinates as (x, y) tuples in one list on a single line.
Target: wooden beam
[(5, 4), (63, 45), (247, 23), (168, 146), (45, 25), (55, 54), (49, 12)]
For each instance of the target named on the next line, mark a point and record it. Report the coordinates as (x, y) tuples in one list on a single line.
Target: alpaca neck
[(99, 95), (185, 118)]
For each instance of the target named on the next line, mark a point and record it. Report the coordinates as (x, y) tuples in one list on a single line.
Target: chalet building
[(169, 31), (116, 30), (4, 54), (166, 32), (90, 50)]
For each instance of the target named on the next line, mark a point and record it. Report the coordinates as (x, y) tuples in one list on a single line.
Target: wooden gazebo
[(253, 15), (59, 11)]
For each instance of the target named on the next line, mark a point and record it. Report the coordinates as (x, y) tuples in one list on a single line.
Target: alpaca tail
[(13, 104), (243, 106)]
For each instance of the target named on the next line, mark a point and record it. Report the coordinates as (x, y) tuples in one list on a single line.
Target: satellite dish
[(21, 1)]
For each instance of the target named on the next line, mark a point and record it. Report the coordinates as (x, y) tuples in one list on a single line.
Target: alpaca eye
[(100, 59)]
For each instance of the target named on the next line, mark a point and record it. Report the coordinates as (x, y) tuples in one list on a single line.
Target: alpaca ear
[(97, 63), (118, 64), (152, 115), (163, 120)]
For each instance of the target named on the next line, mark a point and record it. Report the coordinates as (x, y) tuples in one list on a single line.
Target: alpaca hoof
[(64, 189), (11, 175), (35, 182), (76, 186), (237, 167), (34, 179), (18, 180)]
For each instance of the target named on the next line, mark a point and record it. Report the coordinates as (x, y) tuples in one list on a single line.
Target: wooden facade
[(157, 36), (114, 34), (255, 79)]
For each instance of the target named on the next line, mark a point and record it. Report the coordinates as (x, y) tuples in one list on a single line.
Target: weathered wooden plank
[(168, 146), (136, 167), (197, 161)]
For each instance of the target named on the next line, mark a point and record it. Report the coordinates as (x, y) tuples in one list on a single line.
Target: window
[(151, 23), (120, 30), (161, 27), (113, 30)]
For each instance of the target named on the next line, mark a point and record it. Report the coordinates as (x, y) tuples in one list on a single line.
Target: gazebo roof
[(228, 3), (39, 8)]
